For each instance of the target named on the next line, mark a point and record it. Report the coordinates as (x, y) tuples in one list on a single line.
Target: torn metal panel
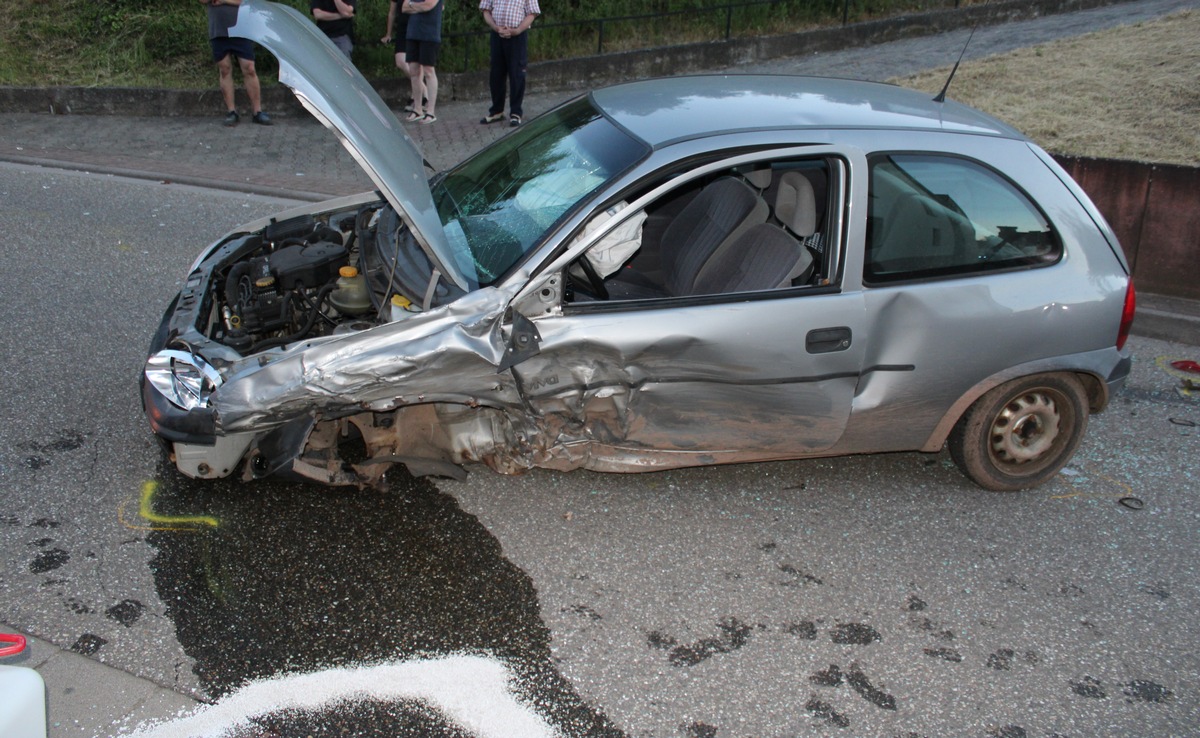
[(401, 363)]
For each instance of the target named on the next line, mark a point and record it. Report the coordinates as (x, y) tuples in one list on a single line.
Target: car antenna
[(941, 96)]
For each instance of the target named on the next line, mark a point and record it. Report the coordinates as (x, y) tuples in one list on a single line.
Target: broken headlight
[(183, 378)]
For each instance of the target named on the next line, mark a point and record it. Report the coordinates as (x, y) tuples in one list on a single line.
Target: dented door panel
[(735, 382)]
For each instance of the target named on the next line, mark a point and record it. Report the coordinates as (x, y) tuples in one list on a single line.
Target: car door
[(703, 378)]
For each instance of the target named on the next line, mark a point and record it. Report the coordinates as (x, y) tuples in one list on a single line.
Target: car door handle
[(827, 340)]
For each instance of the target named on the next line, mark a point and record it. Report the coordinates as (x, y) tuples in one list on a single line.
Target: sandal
[(514, 120), (413, 117), (492, 118), (428, 118)]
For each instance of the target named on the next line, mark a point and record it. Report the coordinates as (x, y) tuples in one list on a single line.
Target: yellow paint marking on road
[(163, 522)]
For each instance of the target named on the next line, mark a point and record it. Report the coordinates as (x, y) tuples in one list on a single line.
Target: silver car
[(664, 273)]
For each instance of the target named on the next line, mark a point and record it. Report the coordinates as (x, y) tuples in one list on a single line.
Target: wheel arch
[(1091, 378)]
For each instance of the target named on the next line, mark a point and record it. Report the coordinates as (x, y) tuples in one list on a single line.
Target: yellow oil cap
[(401, 301), (348, 272)]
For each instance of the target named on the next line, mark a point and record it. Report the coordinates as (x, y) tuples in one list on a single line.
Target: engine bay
[(317, 275)]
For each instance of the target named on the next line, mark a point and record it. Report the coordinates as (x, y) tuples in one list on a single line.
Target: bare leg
[(250, 80), (431, 88), (418, 87), (402, 65), (225, 69)]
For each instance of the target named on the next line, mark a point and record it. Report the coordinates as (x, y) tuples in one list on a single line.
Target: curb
[(1166, 318), (249, 188)]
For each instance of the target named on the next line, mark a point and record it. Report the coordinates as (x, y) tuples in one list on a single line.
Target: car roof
[(667, 110)]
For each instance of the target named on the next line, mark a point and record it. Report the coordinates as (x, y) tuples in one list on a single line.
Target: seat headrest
[(759, 179), (796, 205)]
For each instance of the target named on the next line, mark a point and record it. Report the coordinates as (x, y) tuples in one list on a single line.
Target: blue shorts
[(223, 46)]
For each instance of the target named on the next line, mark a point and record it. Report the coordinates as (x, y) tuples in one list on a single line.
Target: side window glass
[(932, 216), (754, 228)]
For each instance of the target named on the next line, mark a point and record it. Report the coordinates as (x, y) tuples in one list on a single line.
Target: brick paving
[(295, 157)]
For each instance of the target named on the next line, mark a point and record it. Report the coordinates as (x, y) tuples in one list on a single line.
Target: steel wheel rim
[(1027, 430)]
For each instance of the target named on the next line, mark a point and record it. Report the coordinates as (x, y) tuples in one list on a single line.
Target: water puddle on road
[(276, 579)]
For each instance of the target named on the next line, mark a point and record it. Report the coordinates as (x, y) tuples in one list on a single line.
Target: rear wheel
[(1020, 434)]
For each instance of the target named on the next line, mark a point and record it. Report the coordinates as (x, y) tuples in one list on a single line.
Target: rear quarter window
[(933, 216)]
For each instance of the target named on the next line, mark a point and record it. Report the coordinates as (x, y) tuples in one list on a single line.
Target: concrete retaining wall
[(1155, 211)]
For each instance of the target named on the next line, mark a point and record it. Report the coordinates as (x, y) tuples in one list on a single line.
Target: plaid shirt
[(510, 13)]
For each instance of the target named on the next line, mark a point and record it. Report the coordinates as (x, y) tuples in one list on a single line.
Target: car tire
[(1020, 434)]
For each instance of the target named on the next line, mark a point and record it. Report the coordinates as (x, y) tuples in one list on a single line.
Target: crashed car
[(663, 273)]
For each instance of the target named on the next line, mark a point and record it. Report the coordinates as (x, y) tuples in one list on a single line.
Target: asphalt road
[(860, 596)]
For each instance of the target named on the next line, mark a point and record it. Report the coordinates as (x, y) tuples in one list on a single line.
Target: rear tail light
[(1127, 315)]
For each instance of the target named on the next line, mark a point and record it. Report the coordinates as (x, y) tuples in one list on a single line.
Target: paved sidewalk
[(298, 158)]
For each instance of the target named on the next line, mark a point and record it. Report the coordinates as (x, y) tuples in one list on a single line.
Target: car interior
[(912, 229), (746, 229), (936, 216)]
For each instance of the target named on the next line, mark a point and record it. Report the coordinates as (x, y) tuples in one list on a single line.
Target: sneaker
[(408, 105), (231, 119), (514, 120), (492, 118), (261, 118)]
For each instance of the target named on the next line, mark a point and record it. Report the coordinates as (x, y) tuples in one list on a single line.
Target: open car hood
[(334, 91)]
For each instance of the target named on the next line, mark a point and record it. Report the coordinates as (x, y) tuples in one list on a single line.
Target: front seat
[(767, 256), (796, 205), (718, 215)]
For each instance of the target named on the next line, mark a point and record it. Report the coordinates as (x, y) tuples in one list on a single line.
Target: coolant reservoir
[(402, 307), (350, 296)]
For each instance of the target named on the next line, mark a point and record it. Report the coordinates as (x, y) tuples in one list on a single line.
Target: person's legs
[(402, 65), (518, 60), (497, 75), (427, 58), (225, 73), (345, 44), (418, 90), (412, 56), (431, 89), (250, 80), (253, 91)]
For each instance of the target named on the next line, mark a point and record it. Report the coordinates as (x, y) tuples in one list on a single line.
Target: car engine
[(295, 279)]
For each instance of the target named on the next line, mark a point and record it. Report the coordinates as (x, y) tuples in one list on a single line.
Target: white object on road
[(22, 703)]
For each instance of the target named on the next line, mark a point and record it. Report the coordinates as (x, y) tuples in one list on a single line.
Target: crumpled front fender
[(446, 355)]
